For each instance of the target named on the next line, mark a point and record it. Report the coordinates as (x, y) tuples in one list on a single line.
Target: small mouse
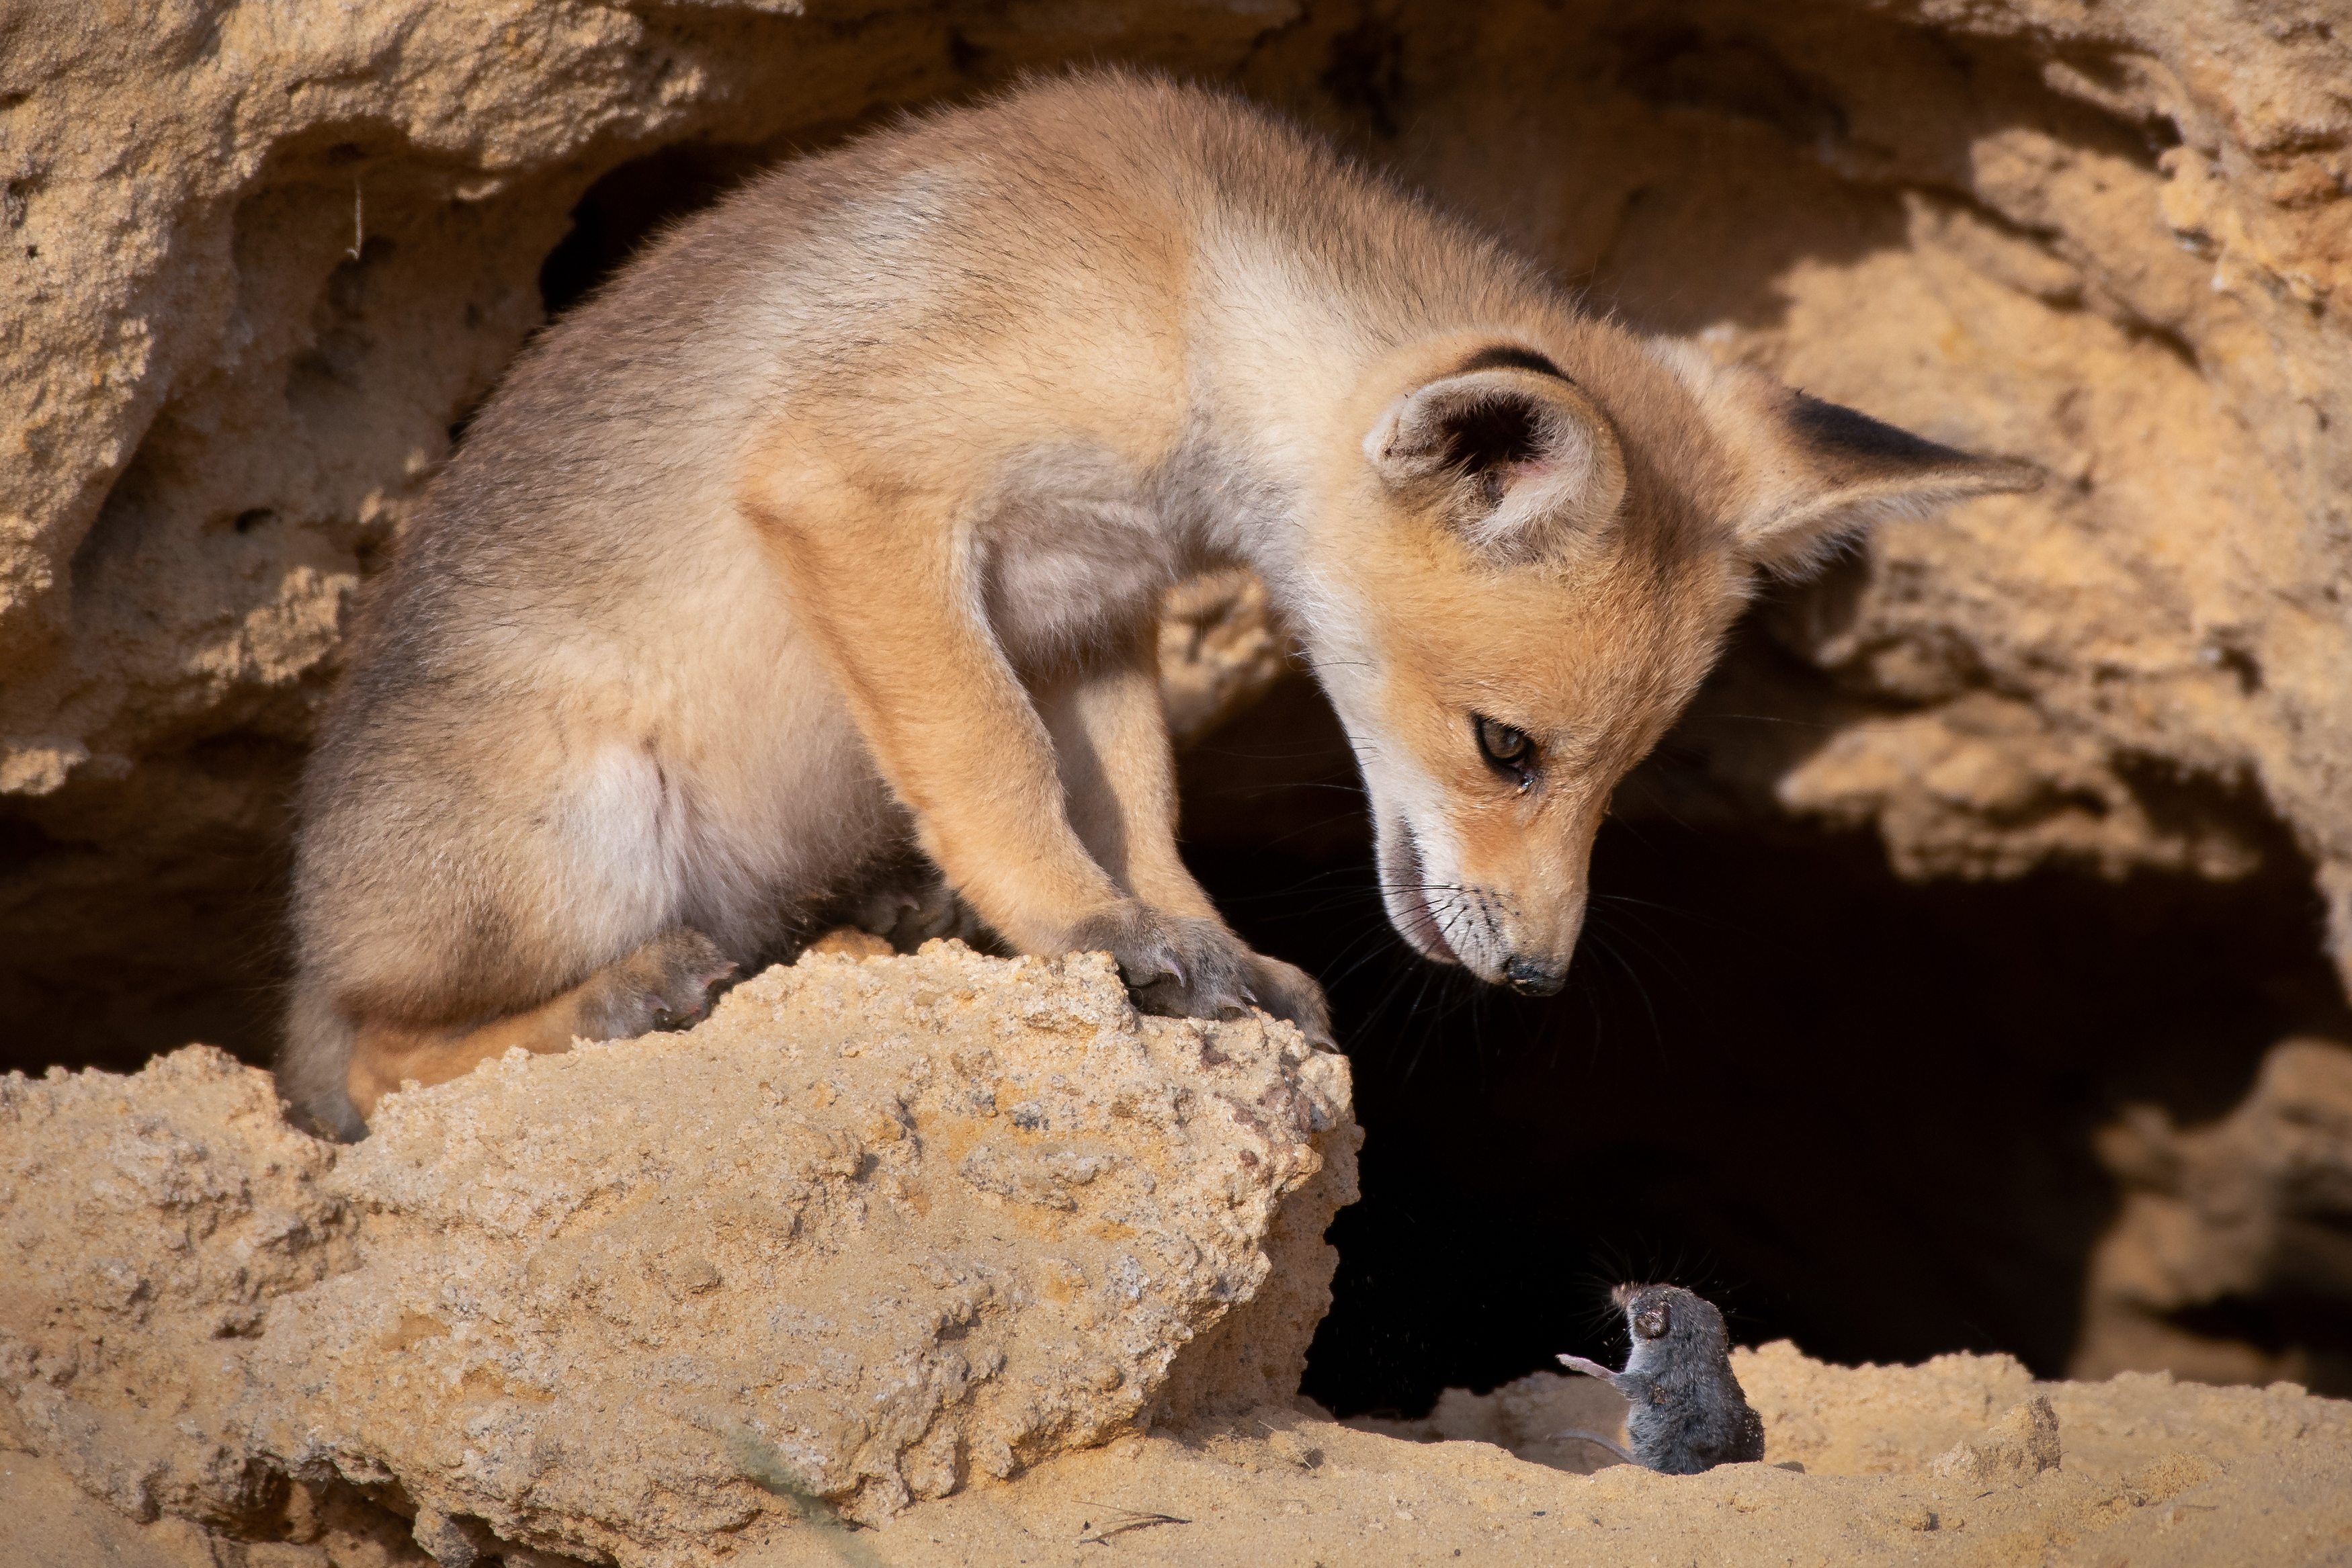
[(1688, 1413)]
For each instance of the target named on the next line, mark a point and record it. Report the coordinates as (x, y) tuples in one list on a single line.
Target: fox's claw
[(1290, 993), (1185, 966)]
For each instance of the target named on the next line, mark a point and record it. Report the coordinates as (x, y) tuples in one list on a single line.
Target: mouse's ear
[(1809, 474)]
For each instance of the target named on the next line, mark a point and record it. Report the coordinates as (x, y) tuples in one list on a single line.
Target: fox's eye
[(1505, 748)]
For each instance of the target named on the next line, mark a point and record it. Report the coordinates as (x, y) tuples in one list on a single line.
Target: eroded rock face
[(151, 1226), (2152, 1472), (878, 1228), (2241, 1218)]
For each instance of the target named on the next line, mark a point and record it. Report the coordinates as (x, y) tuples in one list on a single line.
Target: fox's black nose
[(1530, 978)]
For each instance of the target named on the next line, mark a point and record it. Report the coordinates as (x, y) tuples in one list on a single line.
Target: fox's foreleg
[(1119, 790), (888, 587)]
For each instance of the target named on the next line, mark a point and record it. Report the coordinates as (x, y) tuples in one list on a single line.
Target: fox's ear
[(1814, 473), (1524, 462)]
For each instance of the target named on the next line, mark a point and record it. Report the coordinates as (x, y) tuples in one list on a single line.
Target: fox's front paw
[(1183, 966), (663, 985), (1289, 992), (1176, 966)]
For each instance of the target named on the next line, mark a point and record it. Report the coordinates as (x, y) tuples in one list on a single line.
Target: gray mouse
[(1686, 1411)]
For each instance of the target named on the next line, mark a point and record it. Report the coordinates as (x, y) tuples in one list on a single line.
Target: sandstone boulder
[(2013, 1450), (878, 1228)]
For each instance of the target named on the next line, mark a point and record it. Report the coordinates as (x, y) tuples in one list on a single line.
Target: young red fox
[(833, 531)]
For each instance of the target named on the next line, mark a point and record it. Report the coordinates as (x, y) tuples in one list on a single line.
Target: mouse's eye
[(1652, 1324), (1507, 750)]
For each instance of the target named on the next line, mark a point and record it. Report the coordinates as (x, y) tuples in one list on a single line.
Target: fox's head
[(1527, 552)]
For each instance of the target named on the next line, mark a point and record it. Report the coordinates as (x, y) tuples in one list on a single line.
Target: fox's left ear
[(1813, 473), (1522, 463)]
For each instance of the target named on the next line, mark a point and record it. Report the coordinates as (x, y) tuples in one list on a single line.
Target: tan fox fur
[(821, 550)]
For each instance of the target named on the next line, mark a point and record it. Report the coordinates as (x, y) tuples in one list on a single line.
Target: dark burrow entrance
[(1856, 1110)]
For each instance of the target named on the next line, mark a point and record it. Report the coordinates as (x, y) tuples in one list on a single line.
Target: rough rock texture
[(2150, 1472), (2249, 1208), (958, 1247), (879, 1226), (2019, 1447)]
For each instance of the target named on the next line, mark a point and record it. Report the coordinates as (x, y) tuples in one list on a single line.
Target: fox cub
[(808, 571)]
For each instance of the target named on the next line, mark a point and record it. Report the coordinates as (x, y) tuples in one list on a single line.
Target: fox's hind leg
[(496, 897), (660, 986)]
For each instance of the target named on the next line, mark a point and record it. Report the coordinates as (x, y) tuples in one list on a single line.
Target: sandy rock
[(46, 1518), (153, 1227), (878, 1228), (708, 1298), (1219, 651), (1938, 212), (1873, 1420), (2164, 1474), (2246, 1207), (2014, 1449), (1229, 1496)]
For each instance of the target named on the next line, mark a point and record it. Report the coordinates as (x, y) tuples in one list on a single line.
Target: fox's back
[(1084, 233), (1004, 299)]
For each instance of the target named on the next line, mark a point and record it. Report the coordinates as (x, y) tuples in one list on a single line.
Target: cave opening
[(1857, 1110)]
